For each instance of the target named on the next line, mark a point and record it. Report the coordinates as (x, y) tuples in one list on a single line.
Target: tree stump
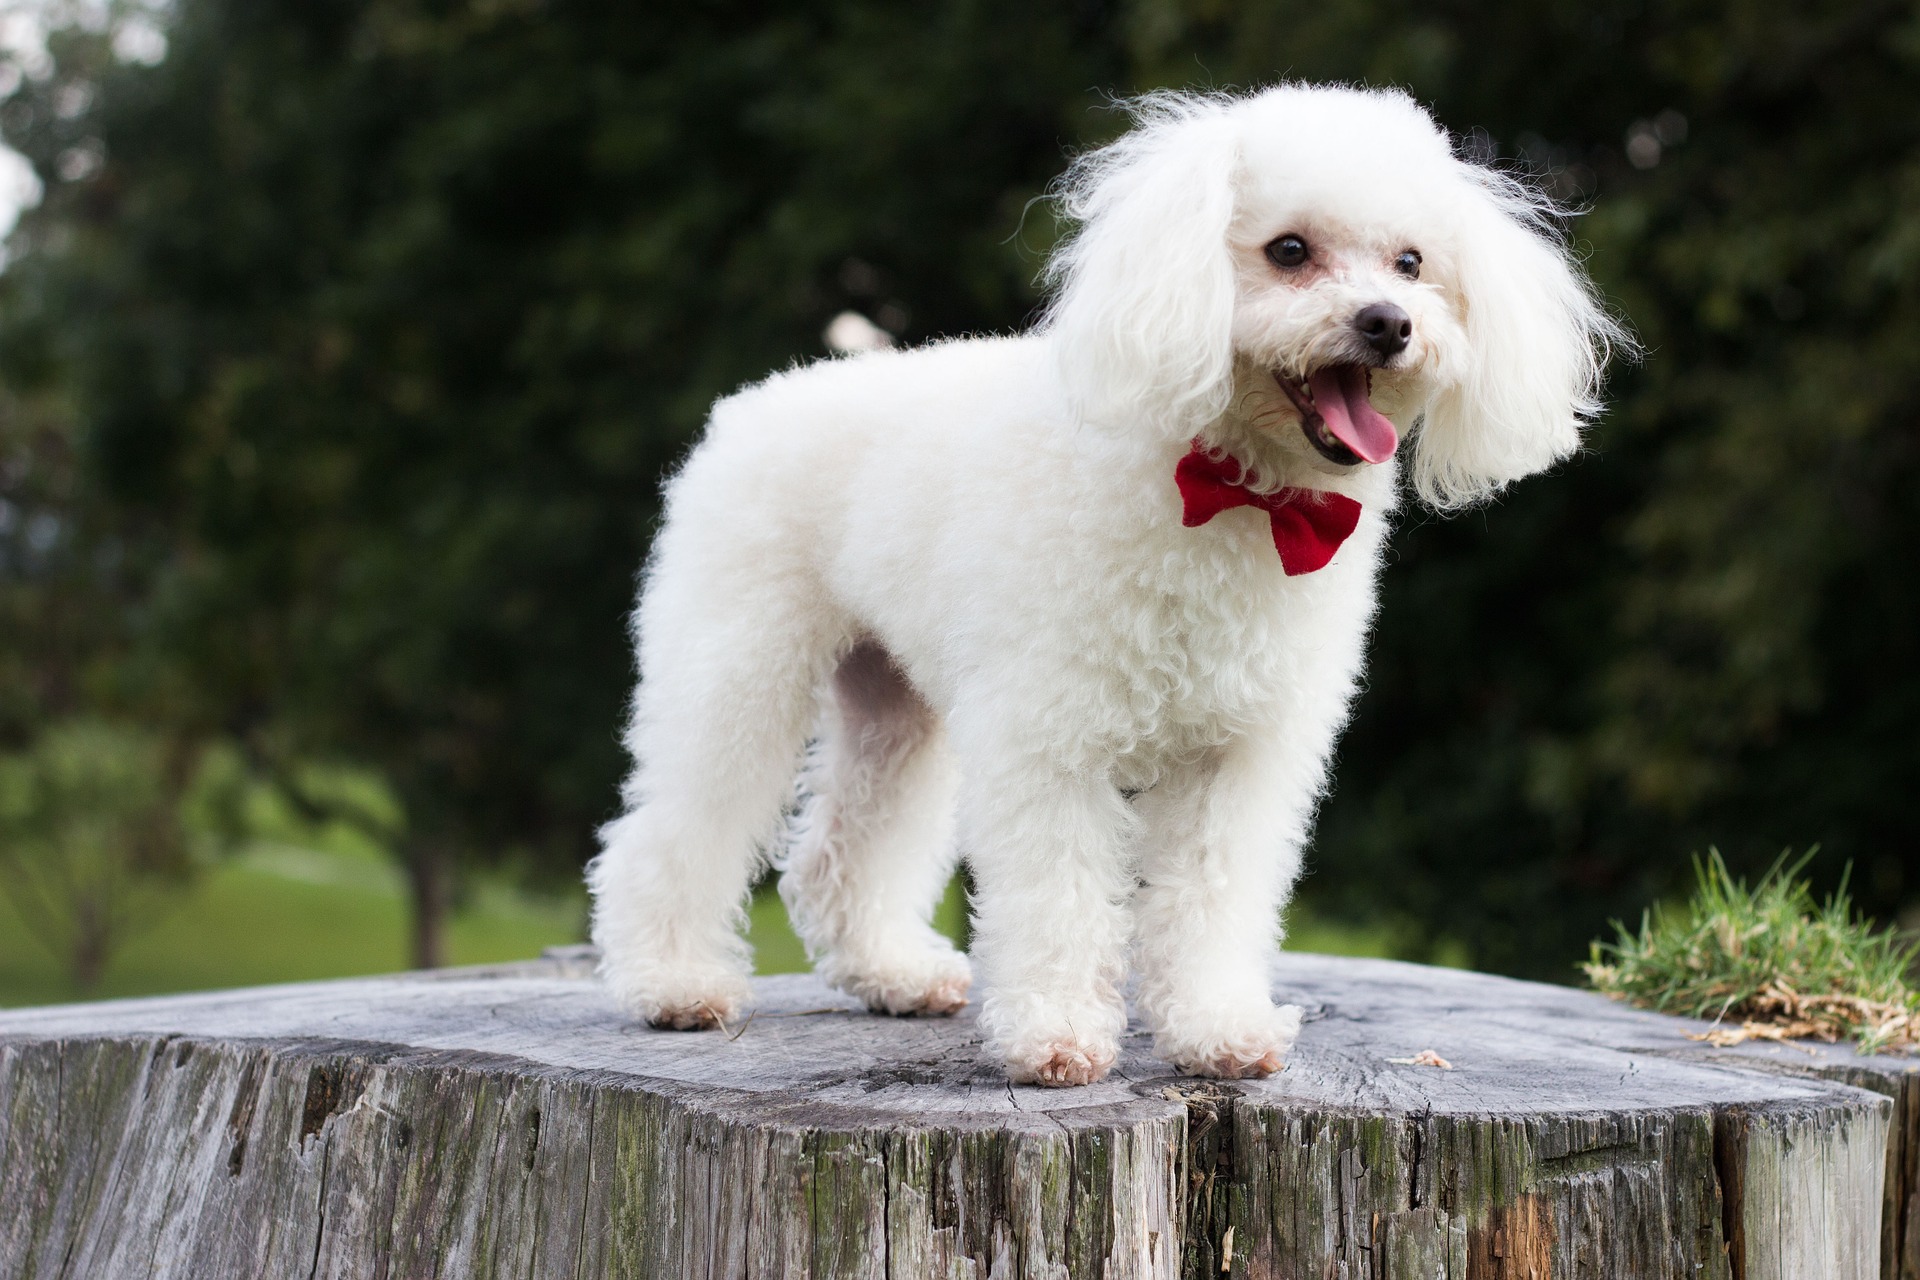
[(510, 1122)]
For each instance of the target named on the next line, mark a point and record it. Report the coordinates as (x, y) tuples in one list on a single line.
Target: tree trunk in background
[(91, 942), (429, 876)]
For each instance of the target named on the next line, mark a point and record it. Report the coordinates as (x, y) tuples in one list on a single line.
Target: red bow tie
[(1308, 525)]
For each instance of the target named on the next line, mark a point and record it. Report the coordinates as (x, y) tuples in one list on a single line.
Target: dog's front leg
[(1219, 853), (1049, 852)]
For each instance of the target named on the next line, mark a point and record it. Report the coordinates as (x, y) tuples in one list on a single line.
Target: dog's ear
[(1142, 316), (1538, 341)]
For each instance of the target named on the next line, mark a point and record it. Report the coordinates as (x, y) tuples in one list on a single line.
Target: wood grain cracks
[(1417, 1158), (319, 1212), (533, 1139), (240, 1116), (1729, 1166), (1900, 1219), (330, 1090), (1598, 1158), (1206, 1171), (580, 1229)]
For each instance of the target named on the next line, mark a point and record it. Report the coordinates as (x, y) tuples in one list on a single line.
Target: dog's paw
[(698, 1016), (930, 981), (1060, 1064), (1237, 1064), (945, 996), (1246, 1051), (680, 1001)]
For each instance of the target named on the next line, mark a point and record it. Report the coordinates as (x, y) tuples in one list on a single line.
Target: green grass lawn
[(286, 915), (282, 914)]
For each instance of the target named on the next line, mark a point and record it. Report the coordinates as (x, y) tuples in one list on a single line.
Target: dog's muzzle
[(1337, 416)]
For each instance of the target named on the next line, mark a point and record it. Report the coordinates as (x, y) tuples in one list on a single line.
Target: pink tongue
[(1340, 394)]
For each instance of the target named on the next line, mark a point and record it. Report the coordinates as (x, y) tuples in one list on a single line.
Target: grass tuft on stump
[(1765, 963)]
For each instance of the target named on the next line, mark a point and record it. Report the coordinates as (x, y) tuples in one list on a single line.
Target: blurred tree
[(90, 838), (90, 805), (388, 315), (394, 313), (1704, 631)]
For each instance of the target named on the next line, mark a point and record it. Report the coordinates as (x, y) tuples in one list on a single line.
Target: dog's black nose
[(1385, 328)]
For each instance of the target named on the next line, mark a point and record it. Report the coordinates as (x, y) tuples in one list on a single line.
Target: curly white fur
[(961, 572)]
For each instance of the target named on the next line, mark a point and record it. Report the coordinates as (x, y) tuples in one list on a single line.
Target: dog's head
[(1319, 262)]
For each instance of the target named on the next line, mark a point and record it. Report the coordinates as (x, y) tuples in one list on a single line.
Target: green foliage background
[(355, 337)]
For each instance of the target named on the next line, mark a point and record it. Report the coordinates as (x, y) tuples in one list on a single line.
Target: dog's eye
[(1408, 263), (1287, 251)]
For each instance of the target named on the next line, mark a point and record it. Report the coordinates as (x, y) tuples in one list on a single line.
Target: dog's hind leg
[(872, 847), (735, 640)]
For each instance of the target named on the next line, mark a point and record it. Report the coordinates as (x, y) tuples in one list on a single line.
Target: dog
[(1088, 603)]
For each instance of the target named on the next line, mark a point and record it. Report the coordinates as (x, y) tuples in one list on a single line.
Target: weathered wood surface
[(508, 1122), (1895, 1077)]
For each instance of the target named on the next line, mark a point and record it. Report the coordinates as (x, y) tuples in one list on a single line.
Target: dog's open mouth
[(1337, 417)]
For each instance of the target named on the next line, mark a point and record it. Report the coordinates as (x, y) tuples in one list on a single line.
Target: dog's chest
[(1194, 660)]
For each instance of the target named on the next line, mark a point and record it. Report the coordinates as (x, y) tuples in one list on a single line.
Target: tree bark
[(510, 1122)]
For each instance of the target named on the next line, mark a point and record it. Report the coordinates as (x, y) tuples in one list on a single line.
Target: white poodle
[(1089, 604)]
